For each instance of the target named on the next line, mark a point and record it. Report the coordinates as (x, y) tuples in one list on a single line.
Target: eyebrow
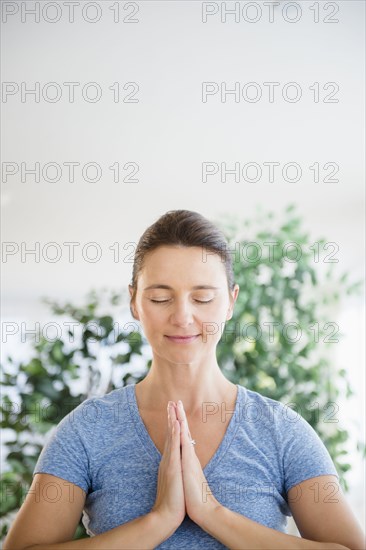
[(197, 287)]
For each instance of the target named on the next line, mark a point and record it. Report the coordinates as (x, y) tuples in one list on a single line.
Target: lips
[(182, 339), (181, 335)]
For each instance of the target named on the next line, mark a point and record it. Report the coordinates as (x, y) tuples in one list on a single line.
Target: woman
[(184, 458)]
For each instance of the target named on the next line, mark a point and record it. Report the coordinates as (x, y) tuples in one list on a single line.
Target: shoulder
[(94, 412), (281, 422), (255, 407), (281, 432)]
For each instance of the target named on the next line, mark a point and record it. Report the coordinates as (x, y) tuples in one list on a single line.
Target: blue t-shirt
[(104, 447)]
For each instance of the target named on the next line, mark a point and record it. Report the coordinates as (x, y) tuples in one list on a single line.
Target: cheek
[(213, 322), (215, 312), (152, 316)]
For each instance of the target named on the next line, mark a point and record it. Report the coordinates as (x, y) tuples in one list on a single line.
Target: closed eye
[(165, 301)]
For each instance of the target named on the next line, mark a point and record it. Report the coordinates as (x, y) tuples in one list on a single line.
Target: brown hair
[(182, 228)]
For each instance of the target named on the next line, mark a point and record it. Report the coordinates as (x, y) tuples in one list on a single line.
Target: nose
[(182, 314)]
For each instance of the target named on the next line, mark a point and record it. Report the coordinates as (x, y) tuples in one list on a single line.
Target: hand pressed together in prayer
[(182, 486)]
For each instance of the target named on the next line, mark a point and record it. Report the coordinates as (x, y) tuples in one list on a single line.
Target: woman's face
[(183, 292)]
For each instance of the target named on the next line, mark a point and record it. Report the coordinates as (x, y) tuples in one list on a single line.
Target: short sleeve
[(304, 455), (64, 455)]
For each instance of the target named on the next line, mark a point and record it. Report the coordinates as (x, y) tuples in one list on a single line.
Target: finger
[(175, 451), (185, 437), (170, 425), (176, 431), (180, 411), (185, 431), (169, 418), (173, 411), (172, 415), (182, 415)]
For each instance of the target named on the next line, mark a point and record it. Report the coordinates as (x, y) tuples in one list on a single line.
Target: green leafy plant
[(45, 385), (281, 295), (279, 338)]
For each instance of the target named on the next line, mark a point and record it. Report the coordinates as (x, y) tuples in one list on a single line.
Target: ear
[(132, 307), (233, 297)]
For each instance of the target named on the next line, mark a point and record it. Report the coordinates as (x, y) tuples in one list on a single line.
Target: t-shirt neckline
[(154, 452)]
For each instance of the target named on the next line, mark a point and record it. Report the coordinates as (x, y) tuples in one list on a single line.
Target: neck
[(193, 384)]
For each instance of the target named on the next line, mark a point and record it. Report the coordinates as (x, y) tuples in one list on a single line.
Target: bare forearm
[(147, 531), (237, 531)]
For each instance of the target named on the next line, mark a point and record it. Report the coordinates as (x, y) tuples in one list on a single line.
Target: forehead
[(190, 264)]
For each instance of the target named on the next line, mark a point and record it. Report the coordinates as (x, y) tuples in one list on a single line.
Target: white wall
[(169, 132)]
